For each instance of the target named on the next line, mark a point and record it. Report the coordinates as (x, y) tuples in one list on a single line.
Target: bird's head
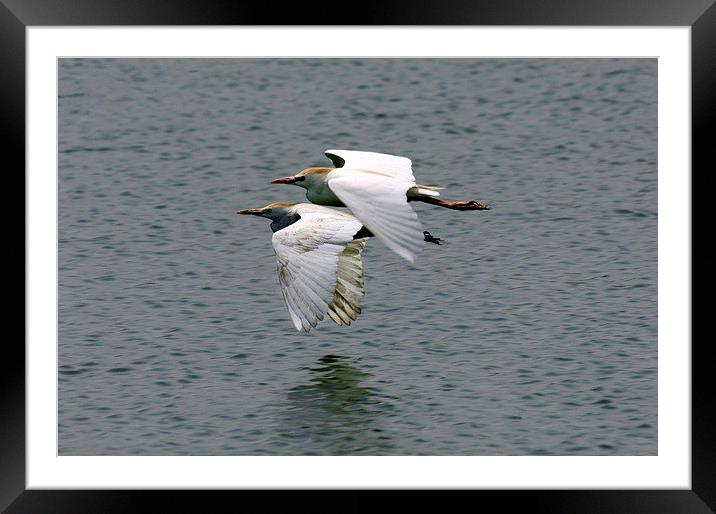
[(305, 178), (272, 211)]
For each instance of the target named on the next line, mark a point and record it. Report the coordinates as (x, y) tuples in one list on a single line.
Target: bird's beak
[(255, 212), (286, 180)]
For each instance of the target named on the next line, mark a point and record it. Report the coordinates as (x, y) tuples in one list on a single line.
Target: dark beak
[(286, 180), (255, 212)]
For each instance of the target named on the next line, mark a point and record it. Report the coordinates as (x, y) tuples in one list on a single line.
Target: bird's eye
[(268, 211)]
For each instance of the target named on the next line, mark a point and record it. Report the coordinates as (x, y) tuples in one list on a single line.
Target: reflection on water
[(336, 413)]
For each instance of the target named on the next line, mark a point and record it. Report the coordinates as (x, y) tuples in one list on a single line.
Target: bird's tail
[(418, 190)]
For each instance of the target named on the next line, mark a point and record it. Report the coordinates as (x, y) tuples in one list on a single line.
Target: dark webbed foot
[(430, 239)]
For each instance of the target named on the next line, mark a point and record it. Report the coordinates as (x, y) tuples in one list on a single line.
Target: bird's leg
[(430, 239), (467, 206), (458, 206)]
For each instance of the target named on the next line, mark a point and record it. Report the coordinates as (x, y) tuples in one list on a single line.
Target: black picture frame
[(17, 15)]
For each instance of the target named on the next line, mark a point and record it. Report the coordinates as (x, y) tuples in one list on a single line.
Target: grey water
[(531, 331)]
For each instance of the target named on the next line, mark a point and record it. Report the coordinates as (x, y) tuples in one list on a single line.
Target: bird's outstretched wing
[(380, 202), (390, 165), (320, 268)]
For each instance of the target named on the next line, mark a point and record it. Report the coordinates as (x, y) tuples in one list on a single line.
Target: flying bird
[(319, 264), (376, 187)]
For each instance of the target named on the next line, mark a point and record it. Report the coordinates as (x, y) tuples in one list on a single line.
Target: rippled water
[(533, 330)]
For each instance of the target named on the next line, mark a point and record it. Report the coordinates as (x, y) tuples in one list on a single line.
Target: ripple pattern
[(531, 331)]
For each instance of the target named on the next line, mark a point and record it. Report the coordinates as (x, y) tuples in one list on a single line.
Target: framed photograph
[(475, 271)]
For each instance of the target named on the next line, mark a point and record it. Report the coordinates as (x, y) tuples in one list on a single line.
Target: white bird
[(376, 187), (318, 254), (319, 264)]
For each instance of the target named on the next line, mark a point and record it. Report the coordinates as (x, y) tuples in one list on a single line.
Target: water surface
[(532, 331)]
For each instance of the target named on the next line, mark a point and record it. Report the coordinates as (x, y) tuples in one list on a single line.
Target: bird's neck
[(322, 195), (285, 221)]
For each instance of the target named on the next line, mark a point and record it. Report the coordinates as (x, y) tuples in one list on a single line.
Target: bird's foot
[(469, 206), (430, 239)]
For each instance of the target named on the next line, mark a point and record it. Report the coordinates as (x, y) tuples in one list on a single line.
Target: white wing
[(380, 203), (319, 267), (390, 165)]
